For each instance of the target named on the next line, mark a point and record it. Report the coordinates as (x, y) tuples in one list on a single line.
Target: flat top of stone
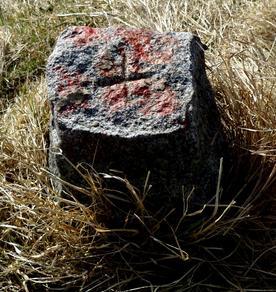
[(120, 81)]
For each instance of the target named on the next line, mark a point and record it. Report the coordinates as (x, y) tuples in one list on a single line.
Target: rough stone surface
[(135, 101)]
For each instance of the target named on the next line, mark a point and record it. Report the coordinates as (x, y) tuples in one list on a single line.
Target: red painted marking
[(121, 96), (145, 46), (84, 35), (84, 104), (70, 108), (116, 96), (148, 46), (139, 42), (161, 103), (141, 90), (141, 46), (66, 111), (69, 82)]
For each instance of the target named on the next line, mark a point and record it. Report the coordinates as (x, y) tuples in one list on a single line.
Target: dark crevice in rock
[(107, 81)]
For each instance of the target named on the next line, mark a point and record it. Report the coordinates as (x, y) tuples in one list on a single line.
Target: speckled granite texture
[(135, 101)]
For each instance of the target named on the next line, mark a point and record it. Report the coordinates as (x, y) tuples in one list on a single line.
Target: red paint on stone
[(144, 49), (139, 42), (69, 82), (140, 90), (72, 106), (116, 96), (84, 34), (66, 112), (162, 103), (121, 96), (84, 104), (140, 47)]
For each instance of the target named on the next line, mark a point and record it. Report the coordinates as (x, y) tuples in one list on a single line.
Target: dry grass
[(44, 245)]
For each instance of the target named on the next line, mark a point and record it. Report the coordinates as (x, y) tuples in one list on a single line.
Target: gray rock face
[(135, 101)]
